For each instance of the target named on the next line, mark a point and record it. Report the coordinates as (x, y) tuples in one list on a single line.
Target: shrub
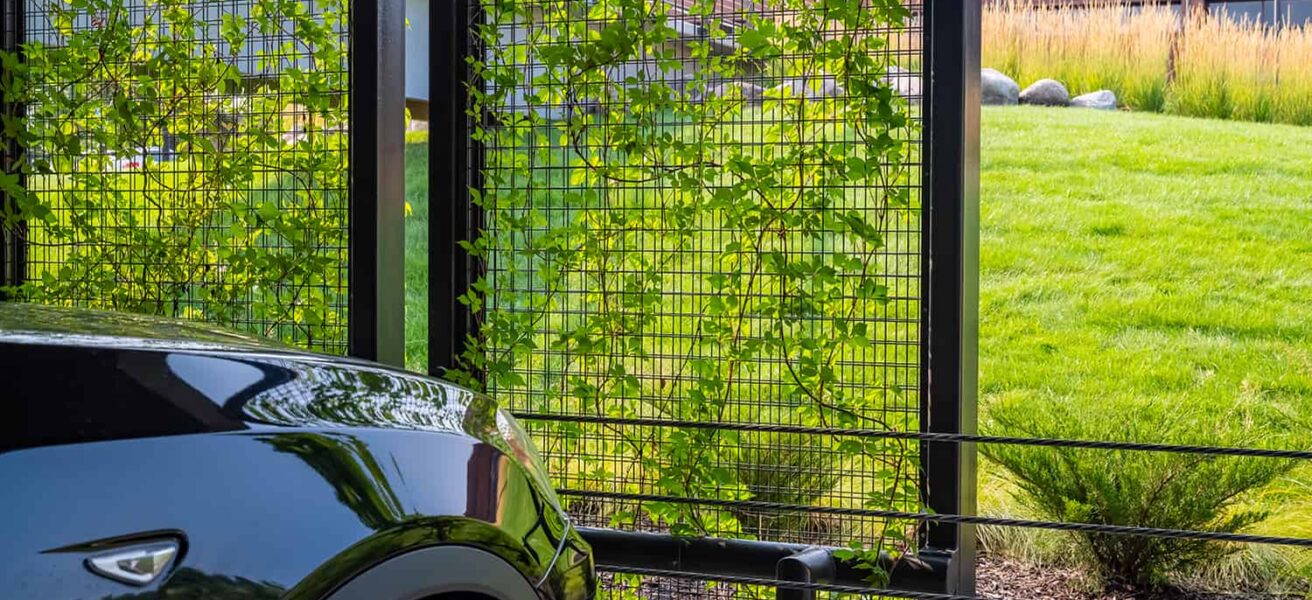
[(1135, 488), (787, 469)]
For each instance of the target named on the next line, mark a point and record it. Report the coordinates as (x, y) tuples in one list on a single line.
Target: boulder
[(1100, 100), (811, 89), (829, 89), (749, 91), (998, 89), (1045, 92), (904, 82)]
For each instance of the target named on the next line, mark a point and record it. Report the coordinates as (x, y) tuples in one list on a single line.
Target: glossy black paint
[(283, 474)]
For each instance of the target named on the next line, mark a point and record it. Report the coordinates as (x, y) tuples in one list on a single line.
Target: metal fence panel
[(12, 250), (782, 475), (233, 162)]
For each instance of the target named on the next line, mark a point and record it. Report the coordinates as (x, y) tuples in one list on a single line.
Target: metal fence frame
[(452, 172), (949, 283), (376, 309), (951, 260), (12, 249), (376, 305)]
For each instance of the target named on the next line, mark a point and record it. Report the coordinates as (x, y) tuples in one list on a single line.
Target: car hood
[(75, 376), (95, 326), (144, 376)]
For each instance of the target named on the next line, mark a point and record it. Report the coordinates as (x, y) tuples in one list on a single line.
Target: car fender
[(273, 511), (427, 572)]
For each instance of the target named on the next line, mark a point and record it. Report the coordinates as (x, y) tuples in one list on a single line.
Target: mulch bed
[(1003, 579), (995, 578)]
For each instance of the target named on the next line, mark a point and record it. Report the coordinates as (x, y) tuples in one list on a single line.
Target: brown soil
[(1003, 579), (995, 579)]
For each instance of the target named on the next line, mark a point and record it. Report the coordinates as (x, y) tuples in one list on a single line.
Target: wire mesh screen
[(190, 159), (704, 262)]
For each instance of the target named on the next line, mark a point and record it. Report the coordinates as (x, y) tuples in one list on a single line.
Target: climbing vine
[(666, 241), (715, 243), (183, 160)]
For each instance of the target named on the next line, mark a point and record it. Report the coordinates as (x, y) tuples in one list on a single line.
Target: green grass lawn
[(416, 256), (1122, 255), (1126, 260), (1144, 257), (1136, 260), (1133, 255)]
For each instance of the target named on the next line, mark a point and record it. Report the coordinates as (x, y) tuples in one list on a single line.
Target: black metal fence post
[(453, 167), (376, 312), (950, 320), (12, 245)]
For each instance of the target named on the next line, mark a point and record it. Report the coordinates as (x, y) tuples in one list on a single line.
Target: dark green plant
[(1135, 488)]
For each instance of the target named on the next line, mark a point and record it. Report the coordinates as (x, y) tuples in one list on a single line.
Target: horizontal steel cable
[(1127, 530), (792, 585), (929, 437)]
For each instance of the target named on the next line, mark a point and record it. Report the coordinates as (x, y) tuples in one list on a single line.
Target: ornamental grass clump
[(1213, 64), (1194, 492), (1243, 70), (1109, 45)]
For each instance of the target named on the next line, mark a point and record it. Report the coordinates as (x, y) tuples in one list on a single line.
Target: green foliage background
[(233, 209)]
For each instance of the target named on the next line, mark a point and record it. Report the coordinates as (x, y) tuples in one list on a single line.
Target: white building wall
[(416, 49)]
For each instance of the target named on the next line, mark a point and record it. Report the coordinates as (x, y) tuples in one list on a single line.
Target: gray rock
[(904, 82), (1045, 92), (830, 89), (811, 89), (1100, 100), (734, 89), (997, 89)]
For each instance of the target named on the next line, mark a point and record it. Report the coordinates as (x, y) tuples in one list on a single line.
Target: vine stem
[(632, 150)]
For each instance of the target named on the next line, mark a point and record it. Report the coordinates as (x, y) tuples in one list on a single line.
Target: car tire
[(441, 572)]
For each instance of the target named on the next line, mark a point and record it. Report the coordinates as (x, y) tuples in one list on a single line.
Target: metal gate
[(650, 344)]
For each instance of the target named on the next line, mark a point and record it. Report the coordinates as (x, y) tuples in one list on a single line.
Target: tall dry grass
[(1223, 68), (1242, 70), (1108, 46)]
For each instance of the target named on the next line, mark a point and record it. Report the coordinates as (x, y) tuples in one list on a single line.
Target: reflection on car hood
[(323, 393), (144, 376), (83, 326)]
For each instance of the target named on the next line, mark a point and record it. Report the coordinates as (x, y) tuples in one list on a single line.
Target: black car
[(146, 458)]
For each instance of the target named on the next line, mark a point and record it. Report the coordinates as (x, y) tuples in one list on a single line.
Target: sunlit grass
[(1125, 258), (1133, 259), (416, 253)]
